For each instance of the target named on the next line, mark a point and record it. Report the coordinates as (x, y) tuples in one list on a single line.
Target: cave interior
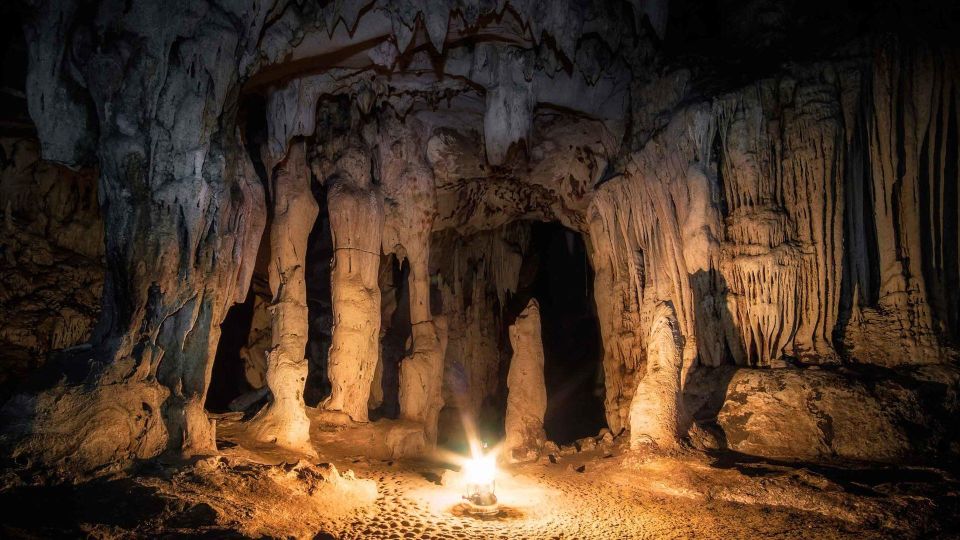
[(344, 269)]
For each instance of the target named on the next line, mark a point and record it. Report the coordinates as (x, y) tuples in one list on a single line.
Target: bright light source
[(480, 476), (480, 470)]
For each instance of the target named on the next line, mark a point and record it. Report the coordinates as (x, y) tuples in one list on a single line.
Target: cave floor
[(250, 491)]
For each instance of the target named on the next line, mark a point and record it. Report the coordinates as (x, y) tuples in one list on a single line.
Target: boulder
[(821, 414)]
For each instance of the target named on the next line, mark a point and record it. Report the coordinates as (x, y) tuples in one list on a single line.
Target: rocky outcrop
[(51, 259), (854, 415), (526, 391)]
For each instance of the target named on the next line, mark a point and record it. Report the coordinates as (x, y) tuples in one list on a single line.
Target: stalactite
[(910, 192)]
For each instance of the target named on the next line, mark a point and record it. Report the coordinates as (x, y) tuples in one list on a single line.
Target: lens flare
[(480, 470)]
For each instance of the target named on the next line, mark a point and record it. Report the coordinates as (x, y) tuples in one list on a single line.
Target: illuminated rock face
[(805, 218), (284, 421), (526, 391), (356, 222)]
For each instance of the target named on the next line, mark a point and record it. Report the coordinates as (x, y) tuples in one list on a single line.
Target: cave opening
[(239, 368), (557, 273), (227, 379)]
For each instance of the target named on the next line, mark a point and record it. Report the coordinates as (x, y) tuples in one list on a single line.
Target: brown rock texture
[(656, 413), (51, 268), (822, 415)]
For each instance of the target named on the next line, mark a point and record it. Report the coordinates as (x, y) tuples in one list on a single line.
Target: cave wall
[(771, 215), (51, 270)]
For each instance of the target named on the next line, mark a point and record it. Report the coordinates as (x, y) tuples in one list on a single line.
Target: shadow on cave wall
[(705, 388)]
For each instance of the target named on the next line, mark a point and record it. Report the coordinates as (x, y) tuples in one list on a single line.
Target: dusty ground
[(604, 493)]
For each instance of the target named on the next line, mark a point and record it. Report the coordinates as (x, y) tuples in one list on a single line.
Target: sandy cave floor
[(252, 491)]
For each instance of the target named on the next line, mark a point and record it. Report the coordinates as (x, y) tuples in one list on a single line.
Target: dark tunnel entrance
[(228, 380), (394, 336), (556, 271)]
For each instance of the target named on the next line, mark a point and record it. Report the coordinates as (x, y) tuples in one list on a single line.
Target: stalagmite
[(656, 411), (356, 223), (421, 375), (527, 392), (284, 421)]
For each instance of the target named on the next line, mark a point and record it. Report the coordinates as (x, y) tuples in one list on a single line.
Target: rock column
[(356, 224), (284, 420), (421, 376), (527, 392), (410, 210)]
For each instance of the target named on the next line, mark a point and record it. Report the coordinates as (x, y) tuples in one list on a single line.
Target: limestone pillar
[(527, 392), (356, 224), (284, 421), (410, 210)]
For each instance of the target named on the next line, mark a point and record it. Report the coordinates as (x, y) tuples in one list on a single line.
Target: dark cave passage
[(319, 301), (245, 336), (227, 380), (395, 334), (556, 271)]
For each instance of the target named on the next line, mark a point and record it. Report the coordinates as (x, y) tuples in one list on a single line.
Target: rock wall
[(51, 269), (750, 213)]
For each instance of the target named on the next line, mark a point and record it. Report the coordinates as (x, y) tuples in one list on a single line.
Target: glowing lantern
[(480, 473)]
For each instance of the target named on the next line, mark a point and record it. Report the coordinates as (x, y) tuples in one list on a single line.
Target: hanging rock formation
[(526, 391)]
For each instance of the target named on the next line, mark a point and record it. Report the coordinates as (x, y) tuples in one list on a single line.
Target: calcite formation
[(656, 413), (356, 222), (284, 421), (766, 243), (527, 393)]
